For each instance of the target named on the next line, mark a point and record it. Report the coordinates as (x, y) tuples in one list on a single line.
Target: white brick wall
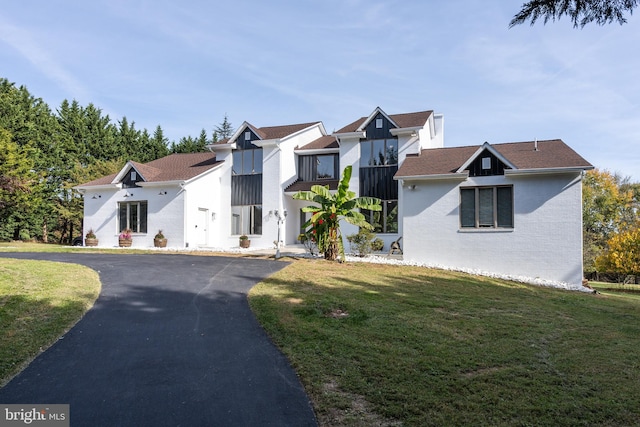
[(546, 241)]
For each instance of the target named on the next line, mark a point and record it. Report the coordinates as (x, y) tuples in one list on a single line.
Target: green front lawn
[(389, 345), (39, 302)]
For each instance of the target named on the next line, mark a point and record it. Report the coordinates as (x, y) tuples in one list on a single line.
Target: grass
[(378, 345), (39, 302), (388, 345)]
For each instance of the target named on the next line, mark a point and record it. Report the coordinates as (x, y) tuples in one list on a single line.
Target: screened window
[(246, 219), (133, 215), (486, 207)]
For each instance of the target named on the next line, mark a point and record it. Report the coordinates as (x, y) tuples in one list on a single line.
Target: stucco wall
[(546, 241)]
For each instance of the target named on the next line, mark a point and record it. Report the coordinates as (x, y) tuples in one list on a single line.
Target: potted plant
[(244, 241), (90, 238), (159, 241), (125, 239)]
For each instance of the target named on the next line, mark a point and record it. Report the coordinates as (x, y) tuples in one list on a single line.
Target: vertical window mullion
[(477, 207), (495, 207)]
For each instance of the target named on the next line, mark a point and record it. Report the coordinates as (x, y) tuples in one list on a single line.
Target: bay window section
[(133, 215)]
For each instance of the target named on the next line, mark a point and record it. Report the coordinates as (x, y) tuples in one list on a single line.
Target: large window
[(486, 207), (246, 187), (133, 215), (379, 152), (318, 167), (378, 164), (247, 162), (246, 219)]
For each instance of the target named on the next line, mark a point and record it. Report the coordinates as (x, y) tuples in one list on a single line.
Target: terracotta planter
[(89, 241), (125, 243), (245, 243), (160, 243)]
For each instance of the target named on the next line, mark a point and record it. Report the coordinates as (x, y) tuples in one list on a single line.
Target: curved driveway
[(170, 341)]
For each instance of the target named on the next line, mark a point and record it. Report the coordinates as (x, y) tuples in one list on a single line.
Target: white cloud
[(32, 47)]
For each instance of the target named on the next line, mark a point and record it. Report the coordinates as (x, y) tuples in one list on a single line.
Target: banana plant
[(332, 207)]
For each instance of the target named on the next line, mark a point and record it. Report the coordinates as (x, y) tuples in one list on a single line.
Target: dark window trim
[(142, 216), (496, 212)]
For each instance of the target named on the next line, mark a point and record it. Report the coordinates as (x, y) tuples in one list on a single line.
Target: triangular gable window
[(131, 178), (378, 128), (486, 164), (244, 140)]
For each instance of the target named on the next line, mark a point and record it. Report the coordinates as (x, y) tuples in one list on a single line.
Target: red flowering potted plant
[(125, 239)]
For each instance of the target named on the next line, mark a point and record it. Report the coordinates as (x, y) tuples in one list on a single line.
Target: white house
[(504, 208)]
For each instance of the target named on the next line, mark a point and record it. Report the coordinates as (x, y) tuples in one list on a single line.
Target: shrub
[(362, 243), (377, 245), (24, 235)]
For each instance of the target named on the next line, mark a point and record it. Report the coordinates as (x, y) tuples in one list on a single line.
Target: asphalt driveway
[(171, 341)]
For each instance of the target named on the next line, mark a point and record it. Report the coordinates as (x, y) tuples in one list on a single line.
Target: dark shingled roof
[(406, 120), (550, 154), (175, 167), (326, 141), (273, 132)]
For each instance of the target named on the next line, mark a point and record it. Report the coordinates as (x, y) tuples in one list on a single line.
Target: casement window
[(318, 167), (133, 215), (246, 219), (486, 207)]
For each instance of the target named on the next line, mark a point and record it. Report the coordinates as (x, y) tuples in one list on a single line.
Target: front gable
[(378, 125), (486, 161), (131, 178)]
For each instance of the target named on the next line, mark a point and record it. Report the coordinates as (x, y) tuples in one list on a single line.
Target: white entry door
[(202, 227)]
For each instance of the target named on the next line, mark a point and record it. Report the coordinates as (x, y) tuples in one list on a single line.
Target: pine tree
[(223, 131)]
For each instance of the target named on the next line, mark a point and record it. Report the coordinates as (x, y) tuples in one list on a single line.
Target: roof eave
[(222, 147), (301, 151), (405, 131), (434, 177), (161, 183), (547, 171), (349, 135), (109, 186), (266, 142)]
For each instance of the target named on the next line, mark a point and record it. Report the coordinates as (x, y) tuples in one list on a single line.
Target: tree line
[(611, 223), (45, 153)]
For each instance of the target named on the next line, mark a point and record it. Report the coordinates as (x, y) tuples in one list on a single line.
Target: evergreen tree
[(581, 12), (223, 131)]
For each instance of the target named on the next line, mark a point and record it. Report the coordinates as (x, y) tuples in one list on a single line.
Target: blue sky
[(184, 65)]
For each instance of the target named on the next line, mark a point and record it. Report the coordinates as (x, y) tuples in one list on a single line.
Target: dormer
[(486, 161), (133, 173)]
